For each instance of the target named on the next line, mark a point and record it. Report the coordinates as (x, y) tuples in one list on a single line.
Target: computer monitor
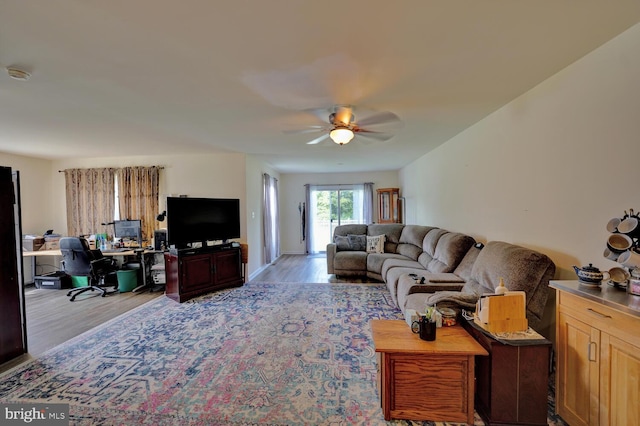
[(128, 229)]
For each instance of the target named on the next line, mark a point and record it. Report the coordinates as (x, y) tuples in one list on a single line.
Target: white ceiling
[(112, 78)]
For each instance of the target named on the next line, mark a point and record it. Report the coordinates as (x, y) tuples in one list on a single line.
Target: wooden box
[(32, 244), (502, 313)]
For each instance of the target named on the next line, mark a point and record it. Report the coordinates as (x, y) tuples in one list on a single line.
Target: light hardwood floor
[(52, 319), (302, 269)]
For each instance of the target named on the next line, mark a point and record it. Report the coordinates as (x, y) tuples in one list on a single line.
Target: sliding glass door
[(331, 206)]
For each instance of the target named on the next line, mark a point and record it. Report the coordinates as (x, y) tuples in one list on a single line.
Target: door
[(12, 332), (578, 367), (197, 272), (330, 207), (227, 266), (619, 387)]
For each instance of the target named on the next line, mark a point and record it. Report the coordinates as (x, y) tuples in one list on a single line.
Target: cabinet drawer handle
[(598, 313), (592, 350)]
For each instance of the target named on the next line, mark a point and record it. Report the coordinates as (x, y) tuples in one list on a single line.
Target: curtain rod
[(337, 184), (116, 168)]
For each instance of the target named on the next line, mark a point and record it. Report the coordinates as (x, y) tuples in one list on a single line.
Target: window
[(96, 197), (333, 205)]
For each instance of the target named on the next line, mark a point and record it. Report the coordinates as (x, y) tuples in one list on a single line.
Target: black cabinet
[(190, 273), (512, 383)]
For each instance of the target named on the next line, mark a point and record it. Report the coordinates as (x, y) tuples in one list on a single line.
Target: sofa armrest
[(331, 254)]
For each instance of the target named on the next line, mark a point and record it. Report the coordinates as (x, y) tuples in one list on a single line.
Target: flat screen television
[(192, 220)]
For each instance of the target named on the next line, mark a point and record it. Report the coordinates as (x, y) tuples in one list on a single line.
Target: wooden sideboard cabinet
[(389, 209), (190, 273), (598, 355)]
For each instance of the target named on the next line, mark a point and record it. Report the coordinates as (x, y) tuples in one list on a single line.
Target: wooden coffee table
[(419, 380)]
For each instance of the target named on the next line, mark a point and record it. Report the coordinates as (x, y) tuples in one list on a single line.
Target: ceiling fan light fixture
[(341, 135)]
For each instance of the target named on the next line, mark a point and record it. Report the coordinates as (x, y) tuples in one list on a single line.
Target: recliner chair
[(79, 260)]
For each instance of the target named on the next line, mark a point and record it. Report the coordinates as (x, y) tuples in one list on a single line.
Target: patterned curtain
[(90, 200), (138, 189)]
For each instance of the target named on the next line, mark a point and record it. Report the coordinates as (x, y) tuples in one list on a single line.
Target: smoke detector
[(18, 74)]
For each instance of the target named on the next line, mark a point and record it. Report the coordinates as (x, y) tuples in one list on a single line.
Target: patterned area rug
[(261, 354)]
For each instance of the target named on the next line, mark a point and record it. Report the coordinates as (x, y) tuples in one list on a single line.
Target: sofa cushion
[(357, 242), (350, 242), (355, 229), (375, 261), (350, 261), (393, 276), (391, 231), (375, 244), (411, 239), (520, 268), (399, 262), (342, 243), (450, 250), (429, 246), (463, 270)]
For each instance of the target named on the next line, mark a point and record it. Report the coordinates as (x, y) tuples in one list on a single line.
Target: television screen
[(192, 220)]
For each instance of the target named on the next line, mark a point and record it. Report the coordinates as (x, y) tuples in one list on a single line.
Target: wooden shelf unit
[(389, 208)]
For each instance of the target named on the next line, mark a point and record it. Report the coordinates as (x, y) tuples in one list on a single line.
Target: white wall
[(292, 193), (549, 169), (35, 191)]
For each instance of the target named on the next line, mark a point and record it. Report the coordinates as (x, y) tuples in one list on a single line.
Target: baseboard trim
[(256, 272)]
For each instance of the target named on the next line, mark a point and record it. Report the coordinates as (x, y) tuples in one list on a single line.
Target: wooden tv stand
[(192, 272)]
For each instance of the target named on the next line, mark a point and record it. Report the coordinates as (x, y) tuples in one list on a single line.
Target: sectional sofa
[(456, 269)]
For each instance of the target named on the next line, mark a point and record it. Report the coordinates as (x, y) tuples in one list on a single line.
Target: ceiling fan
[(343, 125)]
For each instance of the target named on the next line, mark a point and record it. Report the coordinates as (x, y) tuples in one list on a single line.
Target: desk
[(57, 252), (41, 253), (142, 255)]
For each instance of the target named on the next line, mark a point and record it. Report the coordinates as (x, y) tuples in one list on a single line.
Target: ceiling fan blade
[(321, 113), (318, 139), (374, 135), (379, 118), (311, 129)]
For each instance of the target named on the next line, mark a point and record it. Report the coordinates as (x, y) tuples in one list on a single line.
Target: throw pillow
[(375, 244), (342, 243), (358, 242)]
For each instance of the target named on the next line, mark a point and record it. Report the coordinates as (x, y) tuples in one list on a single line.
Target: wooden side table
[(419, 380), (512, 383)]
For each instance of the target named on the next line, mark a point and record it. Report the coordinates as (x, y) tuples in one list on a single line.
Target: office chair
[(80, 261)]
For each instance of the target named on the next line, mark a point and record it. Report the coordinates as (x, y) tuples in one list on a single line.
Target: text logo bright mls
[(35, 414)]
